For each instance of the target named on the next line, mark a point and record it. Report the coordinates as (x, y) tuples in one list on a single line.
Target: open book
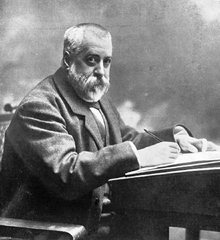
[(187, 162)]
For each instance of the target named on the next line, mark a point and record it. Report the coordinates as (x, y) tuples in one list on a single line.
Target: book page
[(200, 156), (185, 161)]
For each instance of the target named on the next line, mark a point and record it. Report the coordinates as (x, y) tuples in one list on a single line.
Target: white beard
[(89, 88)]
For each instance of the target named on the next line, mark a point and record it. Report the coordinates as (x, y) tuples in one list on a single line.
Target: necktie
[(99, 118)]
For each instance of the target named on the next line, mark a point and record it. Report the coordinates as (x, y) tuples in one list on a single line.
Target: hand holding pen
[(157, 154), (188, 143)]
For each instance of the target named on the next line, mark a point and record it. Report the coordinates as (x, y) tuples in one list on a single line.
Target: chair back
[(5, 120)]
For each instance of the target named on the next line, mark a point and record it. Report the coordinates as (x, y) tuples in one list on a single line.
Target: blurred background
[(166, 59)]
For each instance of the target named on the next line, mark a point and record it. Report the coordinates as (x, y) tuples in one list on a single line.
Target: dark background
[(165, 62)]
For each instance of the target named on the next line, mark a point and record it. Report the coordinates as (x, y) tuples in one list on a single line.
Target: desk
[(154, 203)]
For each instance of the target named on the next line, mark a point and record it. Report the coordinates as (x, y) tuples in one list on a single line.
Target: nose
[(99, 70)]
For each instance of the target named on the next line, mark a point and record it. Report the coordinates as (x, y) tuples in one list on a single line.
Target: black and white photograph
[(109, 120)]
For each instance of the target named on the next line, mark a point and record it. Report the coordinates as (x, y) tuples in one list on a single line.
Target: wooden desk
[(154, 203)]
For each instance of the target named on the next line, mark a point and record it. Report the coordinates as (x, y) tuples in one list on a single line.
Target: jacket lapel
[(77, 105)]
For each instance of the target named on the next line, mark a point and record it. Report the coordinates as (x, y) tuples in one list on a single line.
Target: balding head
[(74, 37)]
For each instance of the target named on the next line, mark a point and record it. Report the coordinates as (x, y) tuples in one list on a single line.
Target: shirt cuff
[(180, 130), (134, 149)]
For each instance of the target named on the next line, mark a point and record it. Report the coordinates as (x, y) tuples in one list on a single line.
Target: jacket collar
[(79, 107)]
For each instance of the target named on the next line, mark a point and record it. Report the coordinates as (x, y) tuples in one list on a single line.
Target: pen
[(153, 136)]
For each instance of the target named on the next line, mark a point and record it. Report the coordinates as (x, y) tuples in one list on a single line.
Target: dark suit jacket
[(54, 164)]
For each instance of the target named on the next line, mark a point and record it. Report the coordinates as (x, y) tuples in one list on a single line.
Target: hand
[(160, 153), (190, 144)]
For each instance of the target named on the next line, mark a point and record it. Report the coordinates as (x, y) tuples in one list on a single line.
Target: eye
[(107, 61), (92, 60)]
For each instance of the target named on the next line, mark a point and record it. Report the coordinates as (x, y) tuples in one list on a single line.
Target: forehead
[(95, 45)]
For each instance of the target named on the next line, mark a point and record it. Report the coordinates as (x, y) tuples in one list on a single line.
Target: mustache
[(89, 83), (98, 82)]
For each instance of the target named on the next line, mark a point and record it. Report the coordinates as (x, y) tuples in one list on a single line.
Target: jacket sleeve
[(39, 136)]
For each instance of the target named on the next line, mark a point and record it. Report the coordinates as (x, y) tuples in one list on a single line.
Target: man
[(57, 158)]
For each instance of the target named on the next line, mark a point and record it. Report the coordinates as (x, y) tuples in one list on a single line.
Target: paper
[(185, 162), (200, 156)]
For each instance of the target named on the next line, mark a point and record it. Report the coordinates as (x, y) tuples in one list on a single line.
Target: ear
[(67, 59)]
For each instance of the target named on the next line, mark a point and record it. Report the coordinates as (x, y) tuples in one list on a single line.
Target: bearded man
[(66, 140)]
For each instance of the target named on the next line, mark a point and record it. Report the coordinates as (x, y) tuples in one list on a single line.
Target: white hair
[(74, 37)]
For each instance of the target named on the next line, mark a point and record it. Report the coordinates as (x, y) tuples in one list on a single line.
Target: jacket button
[(96, 202)]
